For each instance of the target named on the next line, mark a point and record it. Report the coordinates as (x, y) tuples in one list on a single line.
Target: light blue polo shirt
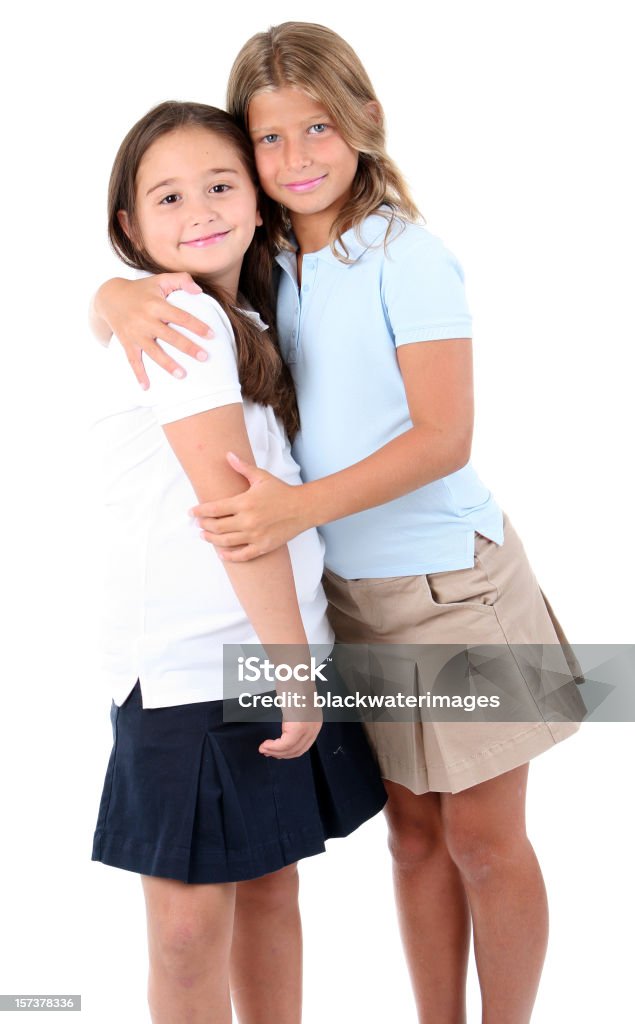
[(339, 336)]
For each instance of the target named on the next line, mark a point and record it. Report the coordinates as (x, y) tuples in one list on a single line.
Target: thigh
[(194, 910), (413, 818), (278, 887), (492, 811)]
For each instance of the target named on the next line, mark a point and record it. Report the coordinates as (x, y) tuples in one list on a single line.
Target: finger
[(215, 509), (175, 315), (135, 358), (245, 554), (294, 741), (225, 541), (220, 526), (284, 747), (174, 337), (247, 469), (175, 282), (296, 749), (161, 358)]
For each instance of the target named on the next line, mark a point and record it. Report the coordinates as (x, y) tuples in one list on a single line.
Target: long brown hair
[(315, 60), (263, 375)]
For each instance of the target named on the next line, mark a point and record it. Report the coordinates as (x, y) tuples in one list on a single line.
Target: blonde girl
[(374, 326)]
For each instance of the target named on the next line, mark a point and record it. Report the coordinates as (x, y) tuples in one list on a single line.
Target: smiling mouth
[(201, 243), (305, 186)]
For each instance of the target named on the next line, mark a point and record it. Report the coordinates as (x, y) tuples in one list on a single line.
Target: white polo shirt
[(339, 335), (168, 603)]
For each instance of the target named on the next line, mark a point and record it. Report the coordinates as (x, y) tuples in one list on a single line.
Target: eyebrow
[(173, 181), (270, 128)]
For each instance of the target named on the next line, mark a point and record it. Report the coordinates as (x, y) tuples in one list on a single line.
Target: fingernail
[(201, 355), (143, 386), (178, 373), (210, 333)]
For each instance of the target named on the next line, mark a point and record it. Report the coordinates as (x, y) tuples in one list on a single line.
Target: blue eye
[(322, 126), (168, 200), (268, 138)]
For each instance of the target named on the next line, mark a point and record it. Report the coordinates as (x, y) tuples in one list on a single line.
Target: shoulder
[(408, 240), (203, 307)]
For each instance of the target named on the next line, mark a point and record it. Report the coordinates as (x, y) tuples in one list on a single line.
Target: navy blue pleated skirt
[(188, 796)]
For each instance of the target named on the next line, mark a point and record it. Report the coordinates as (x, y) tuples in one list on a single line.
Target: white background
[(512, 122)]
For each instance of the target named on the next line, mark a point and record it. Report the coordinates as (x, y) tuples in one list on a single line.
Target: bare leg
[(485, 833), (266, 956), (431, 903), (189, 940)]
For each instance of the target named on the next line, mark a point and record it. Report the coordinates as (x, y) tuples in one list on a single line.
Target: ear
[(124, 223), (375, 111), (259, 220)]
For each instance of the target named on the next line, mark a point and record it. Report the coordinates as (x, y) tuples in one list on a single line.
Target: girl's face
[(303, 162), (196, 206)]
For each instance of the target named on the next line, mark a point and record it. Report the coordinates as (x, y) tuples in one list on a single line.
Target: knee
[(184, 947), (480, 855), (411, 845)]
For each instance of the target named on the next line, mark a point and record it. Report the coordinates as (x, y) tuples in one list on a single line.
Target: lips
[(305, 186), (202, 243)]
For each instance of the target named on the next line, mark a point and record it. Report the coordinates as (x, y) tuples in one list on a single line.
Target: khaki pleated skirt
[(497, 602)]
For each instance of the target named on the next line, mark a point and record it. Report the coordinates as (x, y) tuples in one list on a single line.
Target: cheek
[(346, 157), (157, 235), (265, 165)]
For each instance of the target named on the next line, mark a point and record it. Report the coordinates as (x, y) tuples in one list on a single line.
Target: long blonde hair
[(315, 60)]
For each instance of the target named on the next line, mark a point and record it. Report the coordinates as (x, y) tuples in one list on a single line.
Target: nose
[(296, 155), (203, 211)]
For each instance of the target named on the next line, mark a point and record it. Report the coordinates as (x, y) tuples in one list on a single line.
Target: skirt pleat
[(190, 797)]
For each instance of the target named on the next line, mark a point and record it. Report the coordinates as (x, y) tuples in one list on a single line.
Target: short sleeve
[(423, 289), (207, 385)]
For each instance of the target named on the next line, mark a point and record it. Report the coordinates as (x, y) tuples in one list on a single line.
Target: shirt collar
[(357, 241), (253, 315)]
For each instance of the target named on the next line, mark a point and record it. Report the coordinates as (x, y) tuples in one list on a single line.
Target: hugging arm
[(424, 304), (437, 378), (138, 313)]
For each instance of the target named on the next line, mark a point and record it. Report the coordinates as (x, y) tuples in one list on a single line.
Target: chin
[(310, 204)]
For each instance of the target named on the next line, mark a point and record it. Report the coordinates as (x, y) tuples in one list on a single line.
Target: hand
[(256, 521), (138, 313), (295, 740)]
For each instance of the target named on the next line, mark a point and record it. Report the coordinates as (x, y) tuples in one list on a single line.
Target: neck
[(312, 230), (227, 286)]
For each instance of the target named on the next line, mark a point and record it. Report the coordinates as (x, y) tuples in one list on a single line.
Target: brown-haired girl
[(213, 814), (374, 326)]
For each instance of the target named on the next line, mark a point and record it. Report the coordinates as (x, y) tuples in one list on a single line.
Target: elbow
[(459, 451)]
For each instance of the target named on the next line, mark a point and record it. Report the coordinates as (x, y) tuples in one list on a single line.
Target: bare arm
[(438, 381), (265, 587)]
